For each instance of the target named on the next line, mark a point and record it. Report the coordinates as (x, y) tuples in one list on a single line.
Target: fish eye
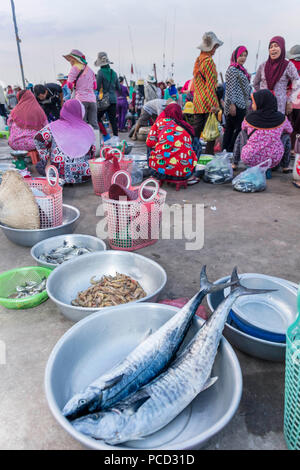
[(82, 402), (95, 416)]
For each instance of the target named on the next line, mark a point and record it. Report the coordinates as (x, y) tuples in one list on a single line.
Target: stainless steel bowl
[(98, 342), (273, 312), (82, 241), (19, 153), (31, 237), (250, 345), (74, 276)]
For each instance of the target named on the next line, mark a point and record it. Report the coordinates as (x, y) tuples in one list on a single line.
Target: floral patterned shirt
[(72, 170), (21, 139), (172, 153), (264, 144)]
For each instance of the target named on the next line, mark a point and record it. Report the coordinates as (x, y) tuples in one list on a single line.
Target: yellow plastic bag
[(211, 129)]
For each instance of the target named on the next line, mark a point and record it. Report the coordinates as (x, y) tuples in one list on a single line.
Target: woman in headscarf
[(267, 133), (275, 75), (171, 140), (25, 120), (237, 96), (67, 143)]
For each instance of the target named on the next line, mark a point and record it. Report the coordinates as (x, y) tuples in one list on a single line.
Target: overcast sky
[(138, 32)]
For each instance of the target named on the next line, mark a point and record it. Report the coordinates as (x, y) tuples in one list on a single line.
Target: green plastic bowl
[(204, 159), (9, 280)]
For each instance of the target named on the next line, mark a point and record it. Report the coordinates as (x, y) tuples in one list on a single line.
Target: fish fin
[(146, 335), (209, 287), (244, 290), (209, 383), (135, 405), (111, 383), (132, 405)]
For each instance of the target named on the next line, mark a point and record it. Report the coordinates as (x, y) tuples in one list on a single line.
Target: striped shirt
[(205, 82)]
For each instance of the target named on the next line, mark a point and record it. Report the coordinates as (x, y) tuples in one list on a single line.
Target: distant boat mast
[(18, 41)]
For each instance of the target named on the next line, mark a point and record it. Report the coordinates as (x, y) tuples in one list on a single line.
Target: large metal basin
[(98, 342), (31, 237), (256, 347), (82, 241), (74, 276)]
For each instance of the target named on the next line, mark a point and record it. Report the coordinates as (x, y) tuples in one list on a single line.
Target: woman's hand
[(232, 110)]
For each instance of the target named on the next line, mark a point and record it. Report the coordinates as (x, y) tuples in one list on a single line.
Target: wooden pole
[(18, 41)]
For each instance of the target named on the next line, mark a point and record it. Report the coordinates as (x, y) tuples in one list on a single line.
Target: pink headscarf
[(74, 136), (234, 63), (28, 114), (274, 69)]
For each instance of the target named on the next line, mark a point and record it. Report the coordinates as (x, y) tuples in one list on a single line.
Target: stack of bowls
[(257, 324)]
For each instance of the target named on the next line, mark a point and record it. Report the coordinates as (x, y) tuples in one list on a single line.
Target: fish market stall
[(256, 232)]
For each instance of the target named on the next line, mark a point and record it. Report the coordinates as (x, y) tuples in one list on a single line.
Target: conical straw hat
[(18, 207)]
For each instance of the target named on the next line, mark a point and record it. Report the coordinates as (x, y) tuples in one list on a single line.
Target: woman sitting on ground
[(68, 144), (171, 139), (25, 120), (265, 134)]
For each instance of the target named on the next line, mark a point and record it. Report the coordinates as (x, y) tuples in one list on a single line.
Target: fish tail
[(209, 287), (236, 286)]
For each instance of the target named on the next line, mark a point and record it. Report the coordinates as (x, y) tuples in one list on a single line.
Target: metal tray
[(98, 342)]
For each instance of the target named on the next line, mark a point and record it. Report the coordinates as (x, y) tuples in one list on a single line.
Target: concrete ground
[(256, 232)]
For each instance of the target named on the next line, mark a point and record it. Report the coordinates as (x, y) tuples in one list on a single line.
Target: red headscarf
[(28, 114), (234, 63), (274, 69), (173, 111)]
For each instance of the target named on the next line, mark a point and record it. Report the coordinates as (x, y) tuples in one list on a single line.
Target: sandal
[(235, 167), (296, 184), (193, 181), (287, 170)]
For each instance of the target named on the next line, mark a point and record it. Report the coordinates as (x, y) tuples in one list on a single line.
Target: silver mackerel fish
[(143, 364), (159, 402)]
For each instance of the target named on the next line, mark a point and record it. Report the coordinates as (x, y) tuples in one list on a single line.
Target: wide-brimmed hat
[(188, 108), (151, 79), (209, 41), (171, 81), (102, 59), (294, 52), (77, 55), (61, 76)]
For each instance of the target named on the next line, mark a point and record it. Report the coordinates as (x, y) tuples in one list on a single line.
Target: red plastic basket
[(133, 225), (50, 205), (102, 169)]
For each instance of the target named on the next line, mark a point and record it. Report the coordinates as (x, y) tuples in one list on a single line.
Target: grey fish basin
[(32, 237), (273, 312), (74, 276), (81, 241), (256, 347), (100, 341)]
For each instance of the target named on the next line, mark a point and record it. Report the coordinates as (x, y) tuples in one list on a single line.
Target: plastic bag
[(219, 169), (253, 179), (211, 130)]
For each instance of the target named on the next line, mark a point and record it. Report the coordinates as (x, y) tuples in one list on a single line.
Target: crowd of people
[(259, 120)]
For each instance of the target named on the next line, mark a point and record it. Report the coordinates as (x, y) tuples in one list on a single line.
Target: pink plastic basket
[(50, 205), (102, 169), (133, 225)]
